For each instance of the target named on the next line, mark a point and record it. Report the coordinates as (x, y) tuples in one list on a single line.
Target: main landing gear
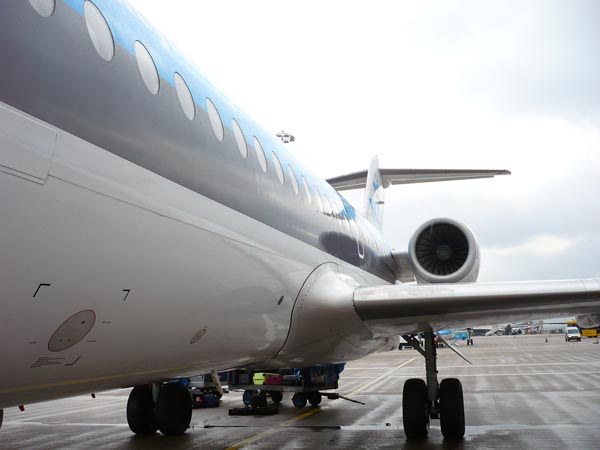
[(167, 408), (422, 401)]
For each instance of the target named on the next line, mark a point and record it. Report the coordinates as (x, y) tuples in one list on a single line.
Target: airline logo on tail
[(374, 193)]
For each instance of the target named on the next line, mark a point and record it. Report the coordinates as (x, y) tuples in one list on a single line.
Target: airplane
[(151, 230)]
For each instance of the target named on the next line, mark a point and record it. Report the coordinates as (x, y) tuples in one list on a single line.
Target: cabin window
[(99, 31), (215, 120), (359, 244), (340, 206), (185, 97), (240, 140), (147, 68), (346, 221), (260, 154), (368, 238), (294, 179), (337, 207), (278, 168), (44, 8), (318, 199), (327, 205), (306, 190)]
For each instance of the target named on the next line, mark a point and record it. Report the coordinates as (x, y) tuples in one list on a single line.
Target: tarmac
[(521, 393)]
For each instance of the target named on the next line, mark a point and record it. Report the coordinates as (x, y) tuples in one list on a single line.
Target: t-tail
[(376, 180), (374, 195)]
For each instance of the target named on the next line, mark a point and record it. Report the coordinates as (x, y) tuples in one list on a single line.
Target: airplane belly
[(112, 274)]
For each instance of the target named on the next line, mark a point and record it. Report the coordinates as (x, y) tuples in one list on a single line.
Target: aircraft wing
[(405, 309), (357, 180)]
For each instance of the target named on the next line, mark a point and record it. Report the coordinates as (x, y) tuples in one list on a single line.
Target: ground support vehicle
[(572, 334), (306, 385)]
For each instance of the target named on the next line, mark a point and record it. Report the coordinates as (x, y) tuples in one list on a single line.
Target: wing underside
[(405, 309)]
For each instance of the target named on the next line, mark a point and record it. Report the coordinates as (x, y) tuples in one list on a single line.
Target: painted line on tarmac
[(312, 412), (514, 374), (378, 379), (592, 362)]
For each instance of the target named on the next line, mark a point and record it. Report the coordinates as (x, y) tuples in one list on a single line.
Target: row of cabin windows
[(102, 39)]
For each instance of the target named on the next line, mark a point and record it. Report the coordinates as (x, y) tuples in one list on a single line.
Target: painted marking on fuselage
[(37, 387), (73, 363), (127, 292), (47, 361), (312, 412), (40, 286)]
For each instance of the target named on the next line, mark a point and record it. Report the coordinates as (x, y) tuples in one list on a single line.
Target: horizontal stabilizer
[(358, 180), (405, 309)]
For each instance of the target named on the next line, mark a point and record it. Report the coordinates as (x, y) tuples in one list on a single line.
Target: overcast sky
[(464, 84)]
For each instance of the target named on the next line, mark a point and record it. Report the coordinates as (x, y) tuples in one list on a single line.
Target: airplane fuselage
[(136, 244)]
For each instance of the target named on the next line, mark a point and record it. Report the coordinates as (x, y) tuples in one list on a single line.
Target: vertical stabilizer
[(373, 201)]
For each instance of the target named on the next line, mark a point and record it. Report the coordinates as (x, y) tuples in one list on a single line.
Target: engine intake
[(444, 251)]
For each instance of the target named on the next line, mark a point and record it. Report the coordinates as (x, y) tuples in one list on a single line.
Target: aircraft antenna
[(286, 138)]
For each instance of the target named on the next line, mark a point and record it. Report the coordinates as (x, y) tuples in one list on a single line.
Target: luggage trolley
[(307, 385)]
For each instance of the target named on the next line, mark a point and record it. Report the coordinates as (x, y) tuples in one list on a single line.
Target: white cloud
[(460, 84), (544, 245)]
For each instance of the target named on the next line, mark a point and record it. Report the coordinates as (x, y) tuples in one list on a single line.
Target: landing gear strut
[(167, 408), (422, 401)]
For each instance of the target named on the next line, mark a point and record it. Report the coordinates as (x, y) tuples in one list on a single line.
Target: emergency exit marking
[(73, 363), (40, 286)]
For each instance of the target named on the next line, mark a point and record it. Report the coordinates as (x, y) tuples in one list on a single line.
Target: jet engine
[(444, 251)]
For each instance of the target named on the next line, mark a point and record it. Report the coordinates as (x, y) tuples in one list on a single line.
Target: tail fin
[(374, 193)]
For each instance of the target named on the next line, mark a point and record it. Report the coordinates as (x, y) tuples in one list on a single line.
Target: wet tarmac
[(521, 393)]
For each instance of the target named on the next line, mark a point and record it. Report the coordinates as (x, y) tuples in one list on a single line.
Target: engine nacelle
[(444, 251)]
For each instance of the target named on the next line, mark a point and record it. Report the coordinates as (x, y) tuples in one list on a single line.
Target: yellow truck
[(589, 332), (585, 332)]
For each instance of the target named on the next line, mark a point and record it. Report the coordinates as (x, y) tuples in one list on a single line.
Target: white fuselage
[(85, 230)]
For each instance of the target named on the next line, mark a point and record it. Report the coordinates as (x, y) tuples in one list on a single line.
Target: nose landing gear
[(452, 409), (422, 401)]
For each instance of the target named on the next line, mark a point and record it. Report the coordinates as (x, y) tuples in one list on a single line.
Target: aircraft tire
[(314, 398), (452, 409), (299, 400), (140, 411), (173, 409), (415, 414), (276, 396)]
